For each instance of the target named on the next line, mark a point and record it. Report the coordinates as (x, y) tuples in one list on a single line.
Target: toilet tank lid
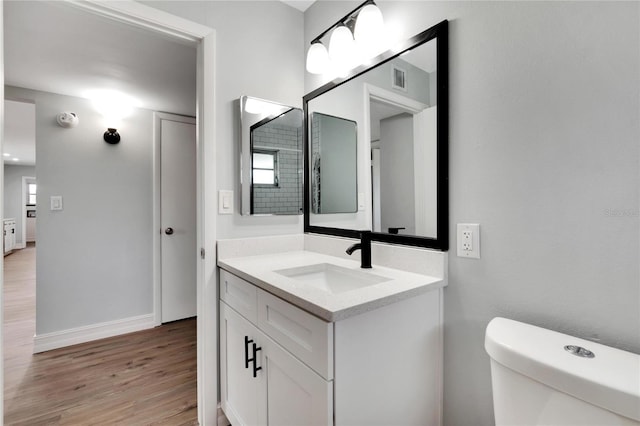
[(610, 380)]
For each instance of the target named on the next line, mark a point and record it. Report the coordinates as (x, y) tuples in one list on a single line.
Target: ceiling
[(301, 5), (55, 47)]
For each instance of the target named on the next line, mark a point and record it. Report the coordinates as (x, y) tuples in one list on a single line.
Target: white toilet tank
[(536, 381)]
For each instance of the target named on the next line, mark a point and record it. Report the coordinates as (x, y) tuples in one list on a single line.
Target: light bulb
[(317, 58), (369, 31), (342, 50)]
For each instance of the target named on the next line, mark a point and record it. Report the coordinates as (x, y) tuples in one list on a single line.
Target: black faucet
[(365, 246)]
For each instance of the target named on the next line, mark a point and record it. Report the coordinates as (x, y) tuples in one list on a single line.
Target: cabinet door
[(7, 239), (295, 394), (13, 237), (240, 391), (285, 392)]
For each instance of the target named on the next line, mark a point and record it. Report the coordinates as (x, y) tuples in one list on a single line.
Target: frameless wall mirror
[(271, 160), (399, 114), (333, 164)]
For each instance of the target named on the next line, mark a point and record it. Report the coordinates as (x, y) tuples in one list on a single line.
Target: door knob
[(168, 231)]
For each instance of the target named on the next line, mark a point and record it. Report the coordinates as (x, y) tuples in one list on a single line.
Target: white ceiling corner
[(301, 5)]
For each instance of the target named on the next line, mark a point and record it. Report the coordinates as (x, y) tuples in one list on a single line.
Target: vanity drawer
[(307, 337), (240, 295)]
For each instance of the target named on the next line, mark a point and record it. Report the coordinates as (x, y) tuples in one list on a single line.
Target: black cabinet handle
[(246, 351), (254, 359)]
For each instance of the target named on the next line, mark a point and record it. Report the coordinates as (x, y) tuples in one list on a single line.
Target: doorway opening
[(142, 16)]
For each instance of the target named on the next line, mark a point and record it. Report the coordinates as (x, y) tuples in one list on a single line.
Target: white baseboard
[(21, 245), (73, 336)]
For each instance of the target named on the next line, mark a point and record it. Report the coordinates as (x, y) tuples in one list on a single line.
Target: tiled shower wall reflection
[(286, 197)]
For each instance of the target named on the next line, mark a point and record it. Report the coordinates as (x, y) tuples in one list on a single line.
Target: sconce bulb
[(369, 31), (342, 50), (111, 136), (317, 58)]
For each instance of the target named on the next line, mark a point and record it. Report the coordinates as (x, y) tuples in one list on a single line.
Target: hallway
[(148, 377)]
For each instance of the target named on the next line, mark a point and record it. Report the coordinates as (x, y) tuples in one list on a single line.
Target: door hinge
[(202, 252)]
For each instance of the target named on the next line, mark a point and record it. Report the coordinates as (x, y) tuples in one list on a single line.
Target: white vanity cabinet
[(280, 365), (262, 383), (9, 243)]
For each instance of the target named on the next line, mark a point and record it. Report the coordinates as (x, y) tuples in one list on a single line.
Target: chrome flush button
[(579, 351)]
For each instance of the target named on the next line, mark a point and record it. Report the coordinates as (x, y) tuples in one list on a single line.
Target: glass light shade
[(342, 50), (369, 31), (113, 105), (317, 58)]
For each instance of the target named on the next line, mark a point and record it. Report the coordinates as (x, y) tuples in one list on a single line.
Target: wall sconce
[(355, 39), (114, 106), (111, 136)]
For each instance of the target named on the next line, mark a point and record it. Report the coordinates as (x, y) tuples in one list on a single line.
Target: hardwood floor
[(142, 378)]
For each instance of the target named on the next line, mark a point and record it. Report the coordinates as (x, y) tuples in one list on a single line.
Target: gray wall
[(544, 107), (13, 195), (95, 256), (259, 53)]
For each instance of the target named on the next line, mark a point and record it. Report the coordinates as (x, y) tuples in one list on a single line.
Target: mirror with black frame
[(271, 161), (399, 111)]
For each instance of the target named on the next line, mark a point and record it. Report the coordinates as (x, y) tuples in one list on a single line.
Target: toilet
[(541, 377)]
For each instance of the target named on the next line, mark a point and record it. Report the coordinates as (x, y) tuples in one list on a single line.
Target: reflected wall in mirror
[(400, 107), (334, 187), (271, 160)]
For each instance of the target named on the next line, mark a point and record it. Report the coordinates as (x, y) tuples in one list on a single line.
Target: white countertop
[(259, 270)]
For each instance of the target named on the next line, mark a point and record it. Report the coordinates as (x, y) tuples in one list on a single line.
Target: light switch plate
[(468, 240), (225, 202), (56, 202)]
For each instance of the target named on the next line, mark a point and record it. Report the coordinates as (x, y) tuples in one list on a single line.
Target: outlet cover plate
[(468, 240)]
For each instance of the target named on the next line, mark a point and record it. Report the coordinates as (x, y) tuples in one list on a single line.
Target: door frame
[(158, 117), (204, 38), (375, 93)]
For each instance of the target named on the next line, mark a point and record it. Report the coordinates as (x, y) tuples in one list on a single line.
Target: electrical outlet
[(469, 240)]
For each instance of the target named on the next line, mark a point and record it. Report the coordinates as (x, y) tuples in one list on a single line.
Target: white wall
[(95, 256), (544, 107), (259, 53), (13, 195)]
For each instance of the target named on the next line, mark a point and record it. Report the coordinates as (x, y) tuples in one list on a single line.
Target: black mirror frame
[(440, 32)]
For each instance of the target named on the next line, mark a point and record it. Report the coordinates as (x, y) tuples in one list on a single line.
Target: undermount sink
[(332, 278)]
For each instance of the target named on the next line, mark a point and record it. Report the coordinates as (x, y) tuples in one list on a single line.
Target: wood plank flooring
[(142, 378)]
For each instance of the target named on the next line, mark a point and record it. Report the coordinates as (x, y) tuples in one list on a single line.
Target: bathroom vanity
[(312, 339), (307, 336)]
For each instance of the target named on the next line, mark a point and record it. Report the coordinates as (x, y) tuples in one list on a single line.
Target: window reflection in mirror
[(271, 158), (333, 164)]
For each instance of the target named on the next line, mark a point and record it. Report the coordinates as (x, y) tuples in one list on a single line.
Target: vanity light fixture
[(345, 52)]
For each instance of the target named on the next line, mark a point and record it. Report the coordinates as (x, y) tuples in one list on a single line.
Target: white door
[(425, 172), (178, 217)]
